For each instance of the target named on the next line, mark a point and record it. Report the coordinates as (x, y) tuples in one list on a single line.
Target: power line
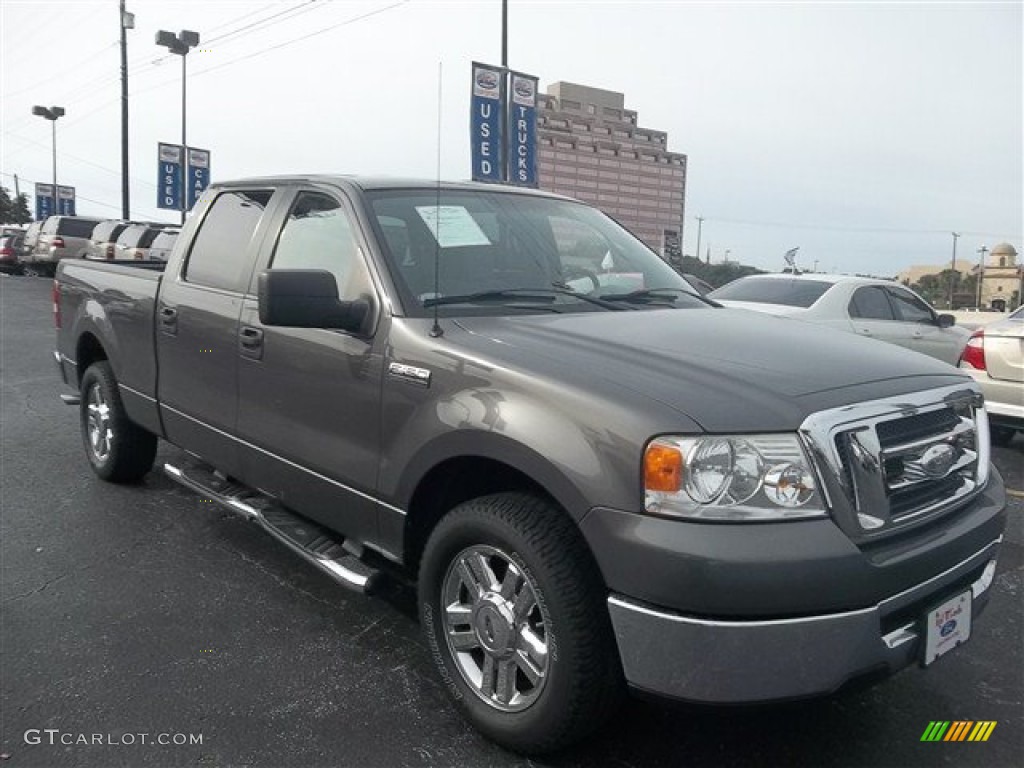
[(69, 156)]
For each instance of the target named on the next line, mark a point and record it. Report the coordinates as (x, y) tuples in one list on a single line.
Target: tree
[(21, 215), (13, 211)]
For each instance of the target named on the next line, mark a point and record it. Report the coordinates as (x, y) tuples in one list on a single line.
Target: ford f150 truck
[(596, 478)]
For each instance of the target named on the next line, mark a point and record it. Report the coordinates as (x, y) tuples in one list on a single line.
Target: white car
[(878, 309), (994, 356)]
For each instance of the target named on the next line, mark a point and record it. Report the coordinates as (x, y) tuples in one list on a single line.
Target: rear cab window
[(219, 257)]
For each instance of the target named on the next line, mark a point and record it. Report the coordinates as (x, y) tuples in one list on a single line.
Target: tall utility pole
[(952, 269), (700, 225), (981, 273), (504, 33), (180, 45), (127, 22)]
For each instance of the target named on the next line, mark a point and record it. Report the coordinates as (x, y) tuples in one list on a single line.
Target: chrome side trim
[(290, 463), (136, 392)]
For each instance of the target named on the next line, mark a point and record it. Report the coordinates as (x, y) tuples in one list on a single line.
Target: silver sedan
[(878, 309), (995, 358)]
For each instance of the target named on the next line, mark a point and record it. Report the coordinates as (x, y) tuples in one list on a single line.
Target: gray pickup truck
[(596, 478)]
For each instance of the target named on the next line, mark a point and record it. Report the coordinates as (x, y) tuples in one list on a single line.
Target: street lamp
[(952, 269), (981, 272), (51, 114), (181, 44)]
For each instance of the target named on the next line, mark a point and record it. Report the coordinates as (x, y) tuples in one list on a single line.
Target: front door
[(309, 399)]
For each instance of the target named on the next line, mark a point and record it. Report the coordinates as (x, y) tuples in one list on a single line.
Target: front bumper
[(731, 662)]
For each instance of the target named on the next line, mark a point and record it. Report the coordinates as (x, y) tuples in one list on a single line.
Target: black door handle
[(169, 320), (251, 337)]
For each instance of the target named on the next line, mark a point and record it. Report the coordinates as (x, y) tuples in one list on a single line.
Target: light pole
[(181, 44), (981, 272), (51, 114), (700, 226), (127, 22), (952, 269)]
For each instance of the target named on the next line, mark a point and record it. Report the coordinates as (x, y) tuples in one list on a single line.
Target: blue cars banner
[(65, 201), (198, 174), (169, 177), (522, 130), (487, 115)]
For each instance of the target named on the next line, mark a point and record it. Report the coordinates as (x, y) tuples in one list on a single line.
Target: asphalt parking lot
[(143, 610)]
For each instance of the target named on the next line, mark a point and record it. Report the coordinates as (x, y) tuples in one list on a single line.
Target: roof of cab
[(373, 183)]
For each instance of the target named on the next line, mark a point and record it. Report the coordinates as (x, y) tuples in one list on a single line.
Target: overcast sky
[(864, 133)]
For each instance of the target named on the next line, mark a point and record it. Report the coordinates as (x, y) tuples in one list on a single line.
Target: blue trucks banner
[(198, 174), (522, 130), (44, 201), (169, 177), (487, 115)]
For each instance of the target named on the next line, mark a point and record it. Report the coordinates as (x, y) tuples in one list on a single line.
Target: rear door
[(309, 399), (872, 315), (197, 325)]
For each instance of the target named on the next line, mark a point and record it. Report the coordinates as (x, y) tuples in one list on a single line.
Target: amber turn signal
[(663, 468)]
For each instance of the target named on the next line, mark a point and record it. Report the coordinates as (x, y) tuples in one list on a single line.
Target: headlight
[(730, 478)]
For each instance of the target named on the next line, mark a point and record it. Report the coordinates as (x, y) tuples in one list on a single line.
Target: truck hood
[(725, 369)]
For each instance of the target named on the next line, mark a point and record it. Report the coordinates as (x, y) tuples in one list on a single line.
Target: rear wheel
[(514, 610), (118, 450)]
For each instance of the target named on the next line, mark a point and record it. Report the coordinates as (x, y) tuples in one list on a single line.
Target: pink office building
[(591, 148)]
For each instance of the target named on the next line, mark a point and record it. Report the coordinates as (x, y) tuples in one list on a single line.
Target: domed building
[(1001, 281)]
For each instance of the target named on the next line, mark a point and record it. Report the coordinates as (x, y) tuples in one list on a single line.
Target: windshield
[(497, 250), (772, 290)]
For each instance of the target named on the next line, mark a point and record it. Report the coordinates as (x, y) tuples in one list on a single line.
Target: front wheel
[(118, 450), (514, 611)]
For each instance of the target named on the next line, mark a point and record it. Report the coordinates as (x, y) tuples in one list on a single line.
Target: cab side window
[(318, 234), (870, 303), (220, 252)]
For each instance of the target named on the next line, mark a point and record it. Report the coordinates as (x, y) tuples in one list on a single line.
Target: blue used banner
[(169, 177), (522, 130), (487, 115), (44, 201), (198, 174)]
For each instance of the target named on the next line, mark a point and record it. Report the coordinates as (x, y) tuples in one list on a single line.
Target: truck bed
[(115, 301)]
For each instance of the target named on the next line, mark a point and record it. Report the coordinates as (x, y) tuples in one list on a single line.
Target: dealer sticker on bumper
[(947, 626)]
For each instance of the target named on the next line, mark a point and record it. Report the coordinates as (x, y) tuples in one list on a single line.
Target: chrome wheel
[(101, 434), (496, 628)]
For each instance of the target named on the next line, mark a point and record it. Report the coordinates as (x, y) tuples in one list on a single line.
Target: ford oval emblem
[(524, 88), (947, 628), (937, 460), (487, 80)]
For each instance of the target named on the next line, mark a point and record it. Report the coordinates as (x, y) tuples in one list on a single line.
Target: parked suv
[(61, 237), (161, 246), (10, 251), (135, 240), (101, 245)]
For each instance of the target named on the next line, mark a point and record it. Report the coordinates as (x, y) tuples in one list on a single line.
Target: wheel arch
[(496, 465)]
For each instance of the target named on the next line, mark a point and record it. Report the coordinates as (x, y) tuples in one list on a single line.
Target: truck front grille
[(903, 459)]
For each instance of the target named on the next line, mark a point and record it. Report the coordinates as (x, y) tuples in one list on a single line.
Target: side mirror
[(307, 298), (946, 321)]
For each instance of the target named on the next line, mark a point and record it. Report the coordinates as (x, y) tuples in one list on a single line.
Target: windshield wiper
[(647, 295), (543, 294)]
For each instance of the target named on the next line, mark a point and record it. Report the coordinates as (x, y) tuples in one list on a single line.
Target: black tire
[(581, 680), (118, 450), (1001, 435)]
